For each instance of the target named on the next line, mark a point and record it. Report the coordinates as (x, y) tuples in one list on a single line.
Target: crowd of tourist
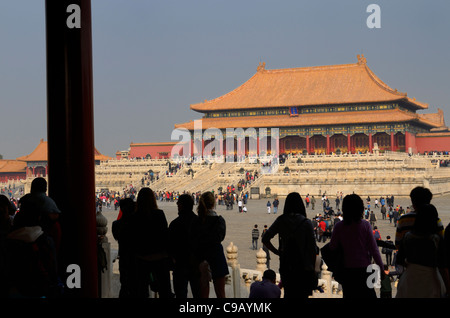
[(190, 247)]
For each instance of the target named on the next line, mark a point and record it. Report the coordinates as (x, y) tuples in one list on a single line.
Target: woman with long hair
[(357, 243), (297, 248), (209, 231), (150, 234)]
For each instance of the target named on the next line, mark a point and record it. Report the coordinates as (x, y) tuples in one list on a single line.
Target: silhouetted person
[(354, 237), (209, 231), (180, 233), (297, 248), (5, 228), (51, 213), (32, 266), (266, 288), (447, 259), (422, 255), (122, 233), (150, 247), (419, 196)]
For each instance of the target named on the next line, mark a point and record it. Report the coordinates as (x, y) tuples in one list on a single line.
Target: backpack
[(377, 235), (32, 267)]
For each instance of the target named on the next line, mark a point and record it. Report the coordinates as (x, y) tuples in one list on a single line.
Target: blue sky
[(152, 59)]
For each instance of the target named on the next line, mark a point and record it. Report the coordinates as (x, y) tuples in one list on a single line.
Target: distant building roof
[(153, 144), (8, 166), (40, 153), (306, 86)]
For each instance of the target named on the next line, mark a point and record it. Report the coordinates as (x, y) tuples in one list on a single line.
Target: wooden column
[(349, 143), (307, 144), (370, 142), (70, 132), (392, 141), (328, 144)]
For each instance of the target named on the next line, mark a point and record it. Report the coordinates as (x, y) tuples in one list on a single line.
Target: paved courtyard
[(239, 225)]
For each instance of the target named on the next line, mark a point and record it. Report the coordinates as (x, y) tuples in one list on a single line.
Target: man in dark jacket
[(184, 271)]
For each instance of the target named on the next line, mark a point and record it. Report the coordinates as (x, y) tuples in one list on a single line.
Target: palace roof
[(307, 86), (313, 119), (8, 166), (40, 153)]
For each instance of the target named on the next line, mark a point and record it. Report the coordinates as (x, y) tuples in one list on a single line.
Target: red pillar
[(392, 141), (70, 132), (407, 143), (328, 144), (307, 144), (349, 145), (370, 142), (410, 142)]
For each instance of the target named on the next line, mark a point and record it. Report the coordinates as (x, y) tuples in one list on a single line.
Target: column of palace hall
[(321, 110)]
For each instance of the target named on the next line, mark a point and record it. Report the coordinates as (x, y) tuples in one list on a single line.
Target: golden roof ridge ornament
[(361, 59), (261, 67)]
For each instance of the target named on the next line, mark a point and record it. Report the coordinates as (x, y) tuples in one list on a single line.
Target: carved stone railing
[(239, 280)]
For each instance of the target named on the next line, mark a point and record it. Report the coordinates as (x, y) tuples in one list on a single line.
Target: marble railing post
[(261, 259), (105, 274), (235, 269)]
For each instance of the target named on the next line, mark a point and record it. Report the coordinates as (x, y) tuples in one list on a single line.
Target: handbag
[(334, 259)]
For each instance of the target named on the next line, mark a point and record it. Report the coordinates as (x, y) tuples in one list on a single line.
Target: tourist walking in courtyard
[(255, 237), (387, 251), (296, 249), (275, 203), (372, 219), (313, 202), (383, 212), (268, 206), (354, 237)]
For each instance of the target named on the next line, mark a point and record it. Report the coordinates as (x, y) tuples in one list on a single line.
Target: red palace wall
[(155, 150), (438, 143), (5, 176)]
